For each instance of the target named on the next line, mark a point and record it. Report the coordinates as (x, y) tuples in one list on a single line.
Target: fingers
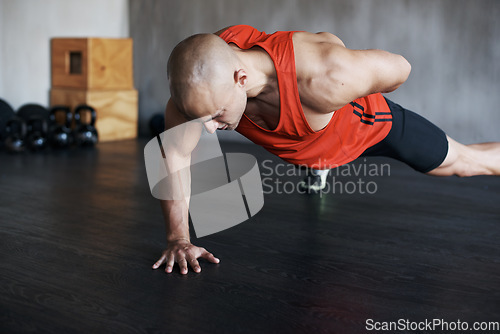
[(170, 263), (195, 265), (209, 257), (160, 261), (183, 265), (184, 257), (193, 262)]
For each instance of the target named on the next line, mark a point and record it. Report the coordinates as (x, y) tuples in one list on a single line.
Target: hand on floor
[(183, 252)]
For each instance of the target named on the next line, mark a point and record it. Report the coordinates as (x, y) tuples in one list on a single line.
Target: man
[(306, 98)]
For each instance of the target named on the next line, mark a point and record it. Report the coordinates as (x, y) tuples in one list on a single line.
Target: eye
[(218, 115)]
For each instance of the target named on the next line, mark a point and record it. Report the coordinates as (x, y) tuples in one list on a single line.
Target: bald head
[(202, 62)]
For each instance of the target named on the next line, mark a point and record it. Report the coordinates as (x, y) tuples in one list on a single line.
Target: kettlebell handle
[(82, 107), (37, 123), (66, 110), (18, 124)]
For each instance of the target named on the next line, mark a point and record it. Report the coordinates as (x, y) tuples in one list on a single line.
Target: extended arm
[(177, 148)]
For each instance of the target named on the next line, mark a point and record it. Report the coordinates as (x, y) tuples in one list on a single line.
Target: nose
[(211, 126)]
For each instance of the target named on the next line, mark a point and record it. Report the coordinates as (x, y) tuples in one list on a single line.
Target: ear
[(240, 77)]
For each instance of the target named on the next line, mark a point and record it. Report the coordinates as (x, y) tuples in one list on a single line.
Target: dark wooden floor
[(80, 231)]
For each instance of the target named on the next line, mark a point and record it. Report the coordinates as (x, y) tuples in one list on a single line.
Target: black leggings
[(412, 140)]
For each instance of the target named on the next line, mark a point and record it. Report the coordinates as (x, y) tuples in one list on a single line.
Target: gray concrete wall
[(453, 46)]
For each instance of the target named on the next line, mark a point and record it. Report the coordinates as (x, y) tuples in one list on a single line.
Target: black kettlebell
[(16, 133), (86, 134), (60, 135), (36, 139)]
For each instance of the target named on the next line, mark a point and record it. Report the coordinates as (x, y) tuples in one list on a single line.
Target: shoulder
[(182, 140), (317, 52), (327, 74), (349, 74)]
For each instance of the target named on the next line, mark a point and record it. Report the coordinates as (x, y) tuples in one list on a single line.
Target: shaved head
[(200, 65)]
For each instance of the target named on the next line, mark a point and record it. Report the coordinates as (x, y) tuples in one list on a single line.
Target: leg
[(469, 160), (426, 148)]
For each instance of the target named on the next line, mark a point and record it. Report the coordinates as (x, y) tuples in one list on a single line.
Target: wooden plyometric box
[(117, 110), (92, 63)]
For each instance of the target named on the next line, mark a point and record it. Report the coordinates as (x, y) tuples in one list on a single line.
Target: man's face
[(220, 110)]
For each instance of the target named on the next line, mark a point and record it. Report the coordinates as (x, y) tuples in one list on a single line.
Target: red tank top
[(352, 129)]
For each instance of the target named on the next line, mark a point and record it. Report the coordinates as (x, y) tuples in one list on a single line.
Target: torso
[(313, 81), (332, 107)]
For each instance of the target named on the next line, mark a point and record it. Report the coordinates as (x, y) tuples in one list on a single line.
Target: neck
[(260, 71)]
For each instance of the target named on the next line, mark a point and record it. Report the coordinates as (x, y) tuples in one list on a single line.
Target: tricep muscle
[(373, 71)]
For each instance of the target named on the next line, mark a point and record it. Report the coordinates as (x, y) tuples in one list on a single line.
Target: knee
[(461, 167), (464, 161)]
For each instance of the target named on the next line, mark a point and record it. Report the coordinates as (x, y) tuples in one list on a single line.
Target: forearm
[(175, 207), (177, 186), (175, 213)]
